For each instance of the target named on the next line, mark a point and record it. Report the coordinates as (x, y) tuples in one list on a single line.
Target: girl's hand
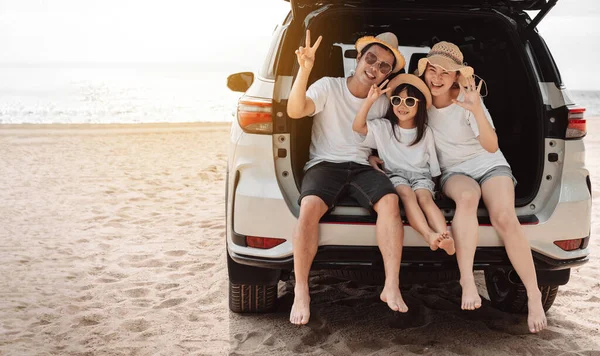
[(306, 55), (472, 101), (376, 91), (375, 161)]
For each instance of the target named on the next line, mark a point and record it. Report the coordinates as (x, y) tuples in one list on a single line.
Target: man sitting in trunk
[(338, 166)]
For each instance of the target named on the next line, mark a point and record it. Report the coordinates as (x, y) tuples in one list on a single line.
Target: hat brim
[(412, 80), (364, 41), (444, 63)]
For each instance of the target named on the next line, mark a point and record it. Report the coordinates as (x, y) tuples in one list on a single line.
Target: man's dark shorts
[(331, 181)]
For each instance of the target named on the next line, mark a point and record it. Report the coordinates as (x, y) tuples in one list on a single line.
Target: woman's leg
[(499, 197), (466, 194), (435, 219), (415, 216)]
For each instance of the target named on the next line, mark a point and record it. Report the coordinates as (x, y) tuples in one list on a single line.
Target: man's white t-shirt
[(400, 155), (456, 140), (333, 139)]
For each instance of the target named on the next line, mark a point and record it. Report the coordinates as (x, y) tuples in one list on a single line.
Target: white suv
[(539, 129)]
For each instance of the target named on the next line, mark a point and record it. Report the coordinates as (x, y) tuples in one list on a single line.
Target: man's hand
[(306, 55), (375, 161)]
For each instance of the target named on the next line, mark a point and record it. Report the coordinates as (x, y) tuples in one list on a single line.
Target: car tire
[(252, 298), (508, 294)]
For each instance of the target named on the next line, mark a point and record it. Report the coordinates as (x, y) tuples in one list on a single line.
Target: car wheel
[(508, 294), (246, 298)]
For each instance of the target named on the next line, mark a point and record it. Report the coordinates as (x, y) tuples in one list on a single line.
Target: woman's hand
[(376, 91), (375, 161), (472, 99), (306, 55)]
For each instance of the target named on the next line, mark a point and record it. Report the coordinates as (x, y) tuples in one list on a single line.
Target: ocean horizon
[(132, 93)]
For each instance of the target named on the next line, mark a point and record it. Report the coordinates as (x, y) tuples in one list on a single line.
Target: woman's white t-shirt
[(456, 140), (332, 138), (400, 155)]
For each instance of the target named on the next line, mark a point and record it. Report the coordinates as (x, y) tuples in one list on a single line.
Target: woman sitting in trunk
[(472, 168)]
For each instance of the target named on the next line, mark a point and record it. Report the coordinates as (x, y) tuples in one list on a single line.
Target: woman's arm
[(472, 102)]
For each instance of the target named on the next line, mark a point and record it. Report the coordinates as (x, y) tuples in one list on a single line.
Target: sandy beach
[(112, 242)]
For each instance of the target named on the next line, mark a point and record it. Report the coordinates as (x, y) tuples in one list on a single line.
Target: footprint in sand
[(170, 303), (176, 253), (89, 320), (136, 292), (166, 286), (136, 326)]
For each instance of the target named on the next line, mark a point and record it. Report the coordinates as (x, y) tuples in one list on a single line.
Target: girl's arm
[(360, 120), (472, 102)]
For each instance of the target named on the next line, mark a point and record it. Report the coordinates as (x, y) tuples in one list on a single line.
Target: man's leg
[(465, 192), (374, 190), (321, 186), (499, 197), (390, 238), (305, 244)]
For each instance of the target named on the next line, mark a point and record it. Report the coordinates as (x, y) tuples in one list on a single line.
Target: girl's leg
[(466, 194), (415, 216), (499, 197), (435, 219)]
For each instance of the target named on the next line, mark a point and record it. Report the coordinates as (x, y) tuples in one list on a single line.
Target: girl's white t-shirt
[(456, 135), (399, 155), (332, 137)]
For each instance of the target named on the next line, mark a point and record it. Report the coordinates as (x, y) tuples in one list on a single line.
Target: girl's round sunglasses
[(409, 101)]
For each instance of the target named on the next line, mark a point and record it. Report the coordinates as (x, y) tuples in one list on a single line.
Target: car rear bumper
[(334, 257)]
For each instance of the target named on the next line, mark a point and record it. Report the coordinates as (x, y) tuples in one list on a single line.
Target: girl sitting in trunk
[(473, 167), (406, 145)]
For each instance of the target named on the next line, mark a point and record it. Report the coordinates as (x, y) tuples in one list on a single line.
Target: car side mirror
[(240, 81)]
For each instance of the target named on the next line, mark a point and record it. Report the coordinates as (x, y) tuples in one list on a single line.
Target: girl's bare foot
[(536, 318), (391, 295), (447, 243), (301, 309), (441, 240), (470, 297)]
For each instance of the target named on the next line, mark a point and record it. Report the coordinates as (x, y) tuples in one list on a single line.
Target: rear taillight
[(577, 126), (569, 245), (254, 115), (263, 242)]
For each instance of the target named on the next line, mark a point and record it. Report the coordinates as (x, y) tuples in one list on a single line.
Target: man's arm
[(299, 105)]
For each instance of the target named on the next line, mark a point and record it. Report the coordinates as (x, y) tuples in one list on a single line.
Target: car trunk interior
[(489, 43)]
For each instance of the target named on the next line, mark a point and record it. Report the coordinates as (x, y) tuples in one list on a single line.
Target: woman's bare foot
[(447, 243), (536, 318), (434, 238), (301, 309), (470, 297), (391, 295)]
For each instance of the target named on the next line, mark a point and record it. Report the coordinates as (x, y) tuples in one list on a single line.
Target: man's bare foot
[(536, 318), (301, 309), (391, 295), (447, 243), (470, 297)]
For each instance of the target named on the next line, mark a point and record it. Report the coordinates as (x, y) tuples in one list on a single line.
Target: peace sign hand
[(376, 91), (471, 101), (306, 55)]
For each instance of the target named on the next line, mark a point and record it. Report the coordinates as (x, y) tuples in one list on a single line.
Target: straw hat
[(388, 40), (448, 56), (412, 80)]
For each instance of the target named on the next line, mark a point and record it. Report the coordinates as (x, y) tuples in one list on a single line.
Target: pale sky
[(232, 34)]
